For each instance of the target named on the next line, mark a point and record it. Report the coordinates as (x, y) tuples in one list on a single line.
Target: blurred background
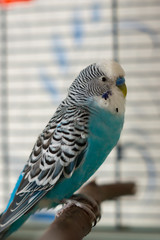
[(43, 46)]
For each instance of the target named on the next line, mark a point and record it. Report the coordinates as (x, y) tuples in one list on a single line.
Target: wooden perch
[(74, 223)]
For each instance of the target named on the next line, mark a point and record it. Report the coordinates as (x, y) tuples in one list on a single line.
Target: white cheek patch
[(115, 103), (102, 102)]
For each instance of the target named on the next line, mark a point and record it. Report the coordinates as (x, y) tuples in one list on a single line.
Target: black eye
[(104, 79)]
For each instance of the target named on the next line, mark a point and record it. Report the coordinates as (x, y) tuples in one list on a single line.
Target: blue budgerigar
[(78, 138)]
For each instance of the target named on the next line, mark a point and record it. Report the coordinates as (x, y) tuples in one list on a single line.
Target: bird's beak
[(120, 83), (123, 88)]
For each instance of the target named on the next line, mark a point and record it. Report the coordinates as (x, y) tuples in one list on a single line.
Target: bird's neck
[(114, 103)]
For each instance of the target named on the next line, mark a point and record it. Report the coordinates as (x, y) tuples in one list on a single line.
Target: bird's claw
[(90, 206), (84, 202)]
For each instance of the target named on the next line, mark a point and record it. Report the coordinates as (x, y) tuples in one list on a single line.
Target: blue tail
[(6, 232)]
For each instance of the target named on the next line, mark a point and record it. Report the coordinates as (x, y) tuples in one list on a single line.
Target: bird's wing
[(58, 151)]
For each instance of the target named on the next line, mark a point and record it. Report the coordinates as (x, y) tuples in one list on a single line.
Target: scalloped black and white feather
[(60, 149)]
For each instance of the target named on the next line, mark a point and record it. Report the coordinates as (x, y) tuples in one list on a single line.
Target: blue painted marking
[(14, 191), (78, 28), (120, 81), (49, 83), (43, 217), (50, 86), (132, 24), (60, 52), (96, 13), (152, 183)]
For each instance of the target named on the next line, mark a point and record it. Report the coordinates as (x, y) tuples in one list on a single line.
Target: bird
[(80, 135)]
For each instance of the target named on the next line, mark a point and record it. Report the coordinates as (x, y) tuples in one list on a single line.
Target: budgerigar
[(78, 138)]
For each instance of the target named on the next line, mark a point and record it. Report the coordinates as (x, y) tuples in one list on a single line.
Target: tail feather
[(3, 231), (7, 231), (3, 234)]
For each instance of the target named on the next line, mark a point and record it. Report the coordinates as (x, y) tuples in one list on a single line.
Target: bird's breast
[(104, 133)]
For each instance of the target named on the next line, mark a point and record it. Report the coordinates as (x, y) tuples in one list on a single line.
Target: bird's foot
[(84, 202)]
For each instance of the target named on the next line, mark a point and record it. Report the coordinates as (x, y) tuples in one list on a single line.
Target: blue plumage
[(101, 140), (76, 141), (14, 191)]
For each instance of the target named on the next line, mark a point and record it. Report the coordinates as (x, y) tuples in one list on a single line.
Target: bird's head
[(104, 82), (112, 75)]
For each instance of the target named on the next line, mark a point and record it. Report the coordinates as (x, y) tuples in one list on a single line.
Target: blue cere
[(120, 81)]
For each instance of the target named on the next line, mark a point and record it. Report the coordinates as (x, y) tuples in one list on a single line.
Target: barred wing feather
[(58, 151)]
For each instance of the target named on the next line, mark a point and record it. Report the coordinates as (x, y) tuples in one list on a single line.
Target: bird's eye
[(104, 79)]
